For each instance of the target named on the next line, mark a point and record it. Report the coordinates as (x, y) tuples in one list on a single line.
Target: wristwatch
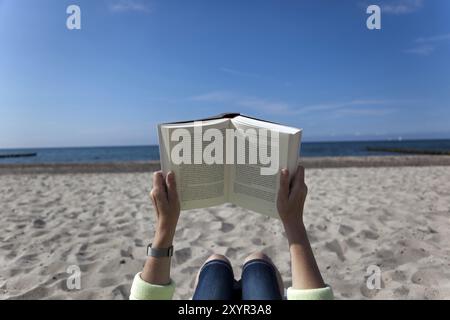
[(159, 252)]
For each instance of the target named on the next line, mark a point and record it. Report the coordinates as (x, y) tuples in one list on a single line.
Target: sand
[(397, 218)]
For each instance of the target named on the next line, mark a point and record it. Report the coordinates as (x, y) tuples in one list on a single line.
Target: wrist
[(163, 238), (293, 223), (295, 232)]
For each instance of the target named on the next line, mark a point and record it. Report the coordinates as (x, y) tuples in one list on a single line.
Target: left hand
[(167, 206)]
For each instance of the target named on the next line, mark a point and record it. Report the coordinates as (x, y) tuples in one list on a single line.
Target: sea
[(145, 153)]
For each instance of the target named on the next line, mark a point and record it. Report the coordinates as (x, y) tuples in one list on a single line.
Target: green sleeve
[(141, 290), (310, 294)]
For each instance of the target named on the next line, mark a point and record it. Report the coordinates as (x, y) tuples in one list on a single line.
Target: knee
[(258, 255), (216, 256)]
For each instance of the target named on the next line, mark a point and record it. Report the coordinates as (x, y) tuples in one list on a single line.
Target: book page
[(243, 120), (199, 184), (251, 189)]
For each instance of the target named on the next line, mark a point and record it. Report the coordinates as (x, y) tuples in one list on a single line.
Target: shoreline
[(150, 166)]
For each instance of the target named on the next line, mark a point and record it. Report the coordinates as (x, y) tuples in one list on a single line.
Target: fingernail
[(284, 172), (170, 175)]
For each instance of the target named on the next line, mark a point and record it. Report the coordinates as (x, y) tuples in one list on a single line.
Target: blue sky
[(136, 63)]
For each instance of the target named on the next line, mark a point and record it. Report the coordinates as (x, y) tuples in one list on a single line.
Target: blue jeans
[(258, 282)]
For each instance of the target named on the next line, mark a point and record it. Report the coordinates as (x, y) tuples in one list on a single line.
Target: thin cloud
[(424, 50), (427, 45), (213, 96), (367, 111), (130, 5), (401, 6), (375, 107), (345, 105), (239, 73), (264, 105), (436, 38)]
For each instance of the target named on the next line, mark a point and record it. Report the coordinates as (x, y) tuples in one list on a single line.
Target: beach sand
[(395, 217)]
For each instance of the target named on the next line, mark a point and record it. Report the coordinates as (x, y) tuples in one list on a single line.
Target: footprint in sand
[(14, 272), (138, 243), (352, 243), (32, 294), (183, 255), (335, 247), (398, 275), (369, 234), (345, 230), (122, 221), (257, 241), (101, 240), (226, 227), (385, 254), (369, 293), (38, 234), (83, 247), (7, 247), (107, 282), (401, 292), (39, 224), (27, 259), (122, 291), (232, 252), (127, 253), (427, 278), (191, 270)]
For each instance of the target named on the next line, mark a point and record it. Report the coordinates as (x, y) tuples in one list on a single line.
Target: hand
[(167, 206), (291, 198)]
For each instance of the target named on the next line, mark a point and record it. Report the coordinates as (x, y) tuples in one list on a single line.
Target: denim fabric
[(258, 282), (216, 282)]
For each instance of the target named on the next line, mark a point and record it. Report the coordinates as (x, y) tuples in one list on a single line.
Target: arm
[(290, 203), (154, 280)]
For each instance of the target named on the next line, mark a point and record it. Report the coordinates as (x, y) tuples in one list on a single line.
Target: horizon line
[(157, 145)]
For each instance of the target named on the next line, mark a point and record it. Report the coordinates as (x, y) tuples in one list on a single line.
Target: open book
[(193, 151)]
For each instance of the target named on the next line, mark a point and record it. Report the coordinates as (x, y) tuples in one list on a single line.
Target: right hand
[(291, 197)]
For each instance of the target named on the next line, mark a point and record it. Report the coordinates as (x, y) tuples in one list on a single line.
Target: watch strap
[(159, 252)]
